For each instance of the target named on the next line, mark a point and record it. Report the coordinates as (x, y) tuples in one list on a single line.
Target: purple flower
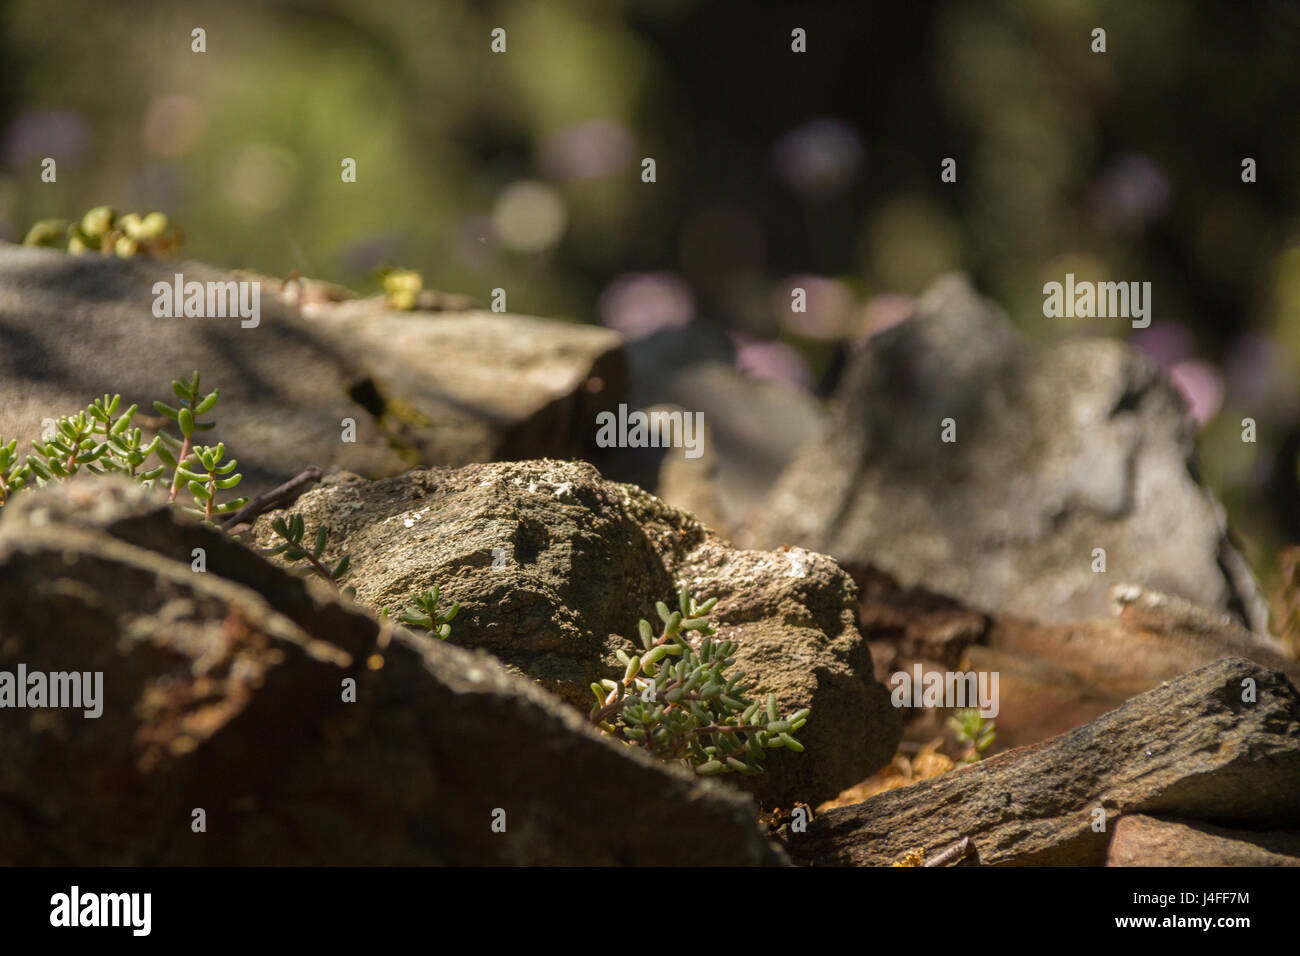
[(641, 303)]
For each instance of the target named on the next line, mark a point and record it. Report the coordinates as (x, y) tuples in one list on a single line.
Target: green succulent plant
[(98, 440), (677, 701), (974, 731), (424, 613), (102, 230), (205, 474), (292, 530), (174, 451)]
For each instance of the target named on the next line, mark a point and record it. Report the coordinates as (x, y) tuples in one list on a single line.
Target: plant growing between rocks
[(292, 530), (974, 731), (425, 614), (676, 702)]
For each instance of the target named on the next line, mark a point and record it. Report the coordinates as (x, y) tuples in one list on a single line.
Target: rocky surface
[(482, 386), (1060, 450), (1192, 748), (421, 387), (1052, 675), (1141, 840), (553, 567), (223, 690)]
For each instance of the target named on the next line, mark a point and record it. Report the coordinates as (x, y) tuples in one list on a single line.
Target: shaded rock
[(1059, 450), (1052, 676), (755, 429), (77, 327), (482, 386), (1190, 748), (420, 387), (1141, 840), (551, 564), (223, 691), (1057, 676)]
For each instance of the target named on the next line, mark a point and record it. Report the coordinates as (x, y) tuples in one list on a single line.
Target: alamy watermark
[(209, 300), (75, 908), (654, 429), (946, 689), (1102, 300), (58, 689)]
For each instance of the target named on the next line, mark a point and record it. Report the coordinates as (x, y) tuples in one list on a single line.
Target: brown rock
[(1189, 748), (223, 691), (1141, 840), (553, 567)]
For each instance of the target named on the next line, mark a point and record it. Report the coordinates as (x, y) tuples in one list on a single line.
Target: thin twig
[(950, 854), (282, 495)]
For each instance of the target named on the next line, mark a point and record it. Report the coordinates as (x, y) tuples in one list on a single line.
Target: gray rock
[(551, 564), (482, 386), (223, 691), (755, 429), (1191, 748), (77, 327), (421, 387), (1060, 450)]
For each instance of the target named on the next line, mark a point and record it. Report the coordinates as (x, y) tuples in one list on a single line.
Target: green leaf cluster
[(102, 230), (402, 288), (292, 531), (677, 701), (974, 731), (99, 440), (96, 440), (424, 613)]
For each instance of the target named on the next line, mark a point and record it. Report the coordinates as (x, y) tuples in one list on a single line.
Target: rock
[(482, 386), (755, 429), (1191, 748), (1059, 450), (1052, 675), (1055, 676), (1141, 840), (223, 691), (76, 327), (551, 564), (421, 388)]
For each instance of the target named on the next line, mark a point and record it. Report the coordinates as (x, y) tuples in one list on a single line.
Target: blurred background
[(775, 169)]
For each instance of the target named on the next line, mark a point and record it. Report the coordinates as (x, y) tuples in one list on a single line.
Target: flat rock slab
[(1191, 748), (1059, 450), (419, 387), (73, 328), (553, 566), (1141, 840), (224, 691), (1052, 675), (482, 386)]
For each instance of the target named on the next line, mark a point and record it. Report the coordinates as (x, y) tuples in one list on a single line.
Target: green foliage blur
[(522, 169)]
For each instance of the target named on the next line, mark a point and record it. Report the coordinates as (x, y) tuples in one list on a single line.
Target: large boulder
[(1220, 745), (1060, 450), (226, 690), (418, 387), (553, 567)]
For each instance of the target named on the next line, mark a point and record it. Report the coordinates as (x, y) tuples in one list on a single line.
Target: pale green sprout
[(425, 613), (974, 731)]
